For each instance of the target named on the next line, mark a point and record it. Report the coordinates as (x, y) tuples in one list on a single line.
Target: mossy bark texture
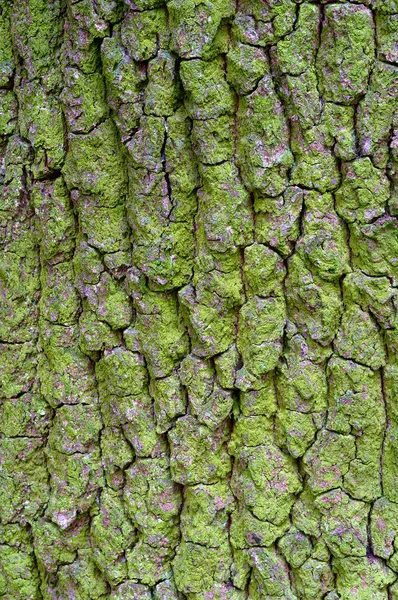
[(198, 295)]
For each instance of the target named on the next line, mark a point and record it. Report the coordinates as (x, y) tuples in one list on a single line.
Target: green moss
[(269, 576), (348, 31), (386, 28), (143, 32), (359, 339), (306, 515), (20, 284), (180, 164), (301, 384), (198, 372), (37, 31), (116, 454), (323, 243), (74, 484), (145, 148), (302, 101), (23, 491), (198, 29), (148, 564), (224, 210), (328, 460), (211, 332), (198, 455), (6, 51), (207, 93), (356, 405), (205, 514), (111, 532), (153, 501), (383, 525), (66, 376), (373, 294), (375, 112), (254, 481), (75, 429), (389, 469), (261, 25), (295, 431), (361, 389), (111, 302), (83, 577), (263, 270), (121, 373), (125, 84), (125, 401), (246, 66), (131, 591), (163, 246), (338, 124), (314, 304), (314, 579), (19, 577), (207, 400), (343, 523), (166, 257), (40, 119), (250, 431), (54, 546), (59, 302), (159, 332), (277, 219), (85, 153), (27, 415), (261, 323), (197, 568), (263, 153), (83, 99), (297, 50), (375, 247), (363, 578), (248, 531), (226, 365), (316, 167), (296, 547), (162, 91), (8, 115), (212, 139), (55, 219), (94, 335), (364, 192), (106, 228), (219, 591), (260, 401), (17, 364), (166, 590), (169, 401)]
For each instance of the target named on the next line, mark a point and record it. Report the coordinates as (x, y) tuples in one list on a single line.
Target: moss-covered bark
[(198, 295)]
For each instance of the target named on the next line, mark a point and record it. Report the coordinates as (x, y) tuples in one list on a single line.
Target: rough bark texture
[(198, 293)]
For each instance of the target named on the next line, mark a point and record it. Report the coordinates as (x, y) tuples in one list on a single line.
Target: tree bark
[(198, 295)]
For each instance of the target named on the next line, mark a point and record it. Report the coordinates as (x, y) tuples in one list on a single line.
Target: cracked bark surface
[(198, 300)]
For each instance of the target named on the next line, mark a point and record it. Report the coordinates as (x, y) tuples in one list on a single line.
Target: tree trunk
[(198, 294)]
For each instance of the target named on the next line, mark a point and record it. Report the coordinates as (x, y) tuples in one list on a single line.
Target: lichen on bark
[(198, 299)]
